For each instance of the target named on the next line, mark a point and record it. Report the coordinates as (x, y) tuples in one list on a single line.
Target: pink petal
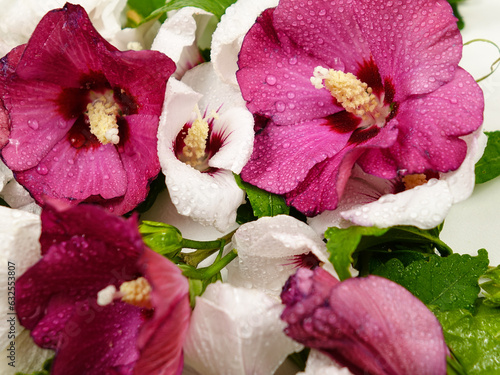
[(139, 159), (274, 77), (76, 174), (170, 296), (333, 37), (63, 41), (147, 88), (428, 130), (283, 155), (37, 123), (368, 324), (97, 339), (418, 45)]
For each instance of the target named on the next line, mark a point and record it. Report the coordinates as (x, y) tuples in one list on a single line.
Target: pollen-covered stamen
[(412, 180), (135, 292), (355, 96), (102, 114), (195, 143)]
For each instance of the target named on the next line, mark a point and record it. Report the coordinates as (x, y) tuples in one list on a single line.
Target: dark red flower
[(140, 329), (83, 115)]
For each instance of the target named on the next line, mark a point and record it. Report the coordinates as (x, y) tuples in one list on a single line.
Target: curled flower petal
[(367, 324), (177, 38), (271, 249), (228, 36), (251, 340)]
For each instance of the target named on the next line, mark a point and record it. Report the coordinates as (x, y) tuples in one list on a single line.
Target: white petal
[(177, 37), (164, 211), (424, 206), (227, 38), (462, 181), (5, 175), (19, 249), (237, 126), (211, 199), (18, 197), (318, 363), (236, 331), (203, 79), (18, 19), (208, 199), (28, 356), (266, 250)]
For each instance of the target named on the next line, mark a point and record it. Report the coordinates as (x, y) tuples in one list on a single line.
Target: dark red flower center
[(73, 105)]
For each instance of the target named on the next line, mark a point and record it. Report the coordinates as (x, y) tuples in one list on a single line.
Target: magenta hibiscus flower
[(370, 325), (83, 115), (340, 82), (70, 302)]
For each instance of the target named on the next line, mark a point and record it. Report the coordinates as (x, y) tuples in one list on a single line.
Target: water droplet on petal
[(280, 106), (42, 169), (271, 80), (33, 124)]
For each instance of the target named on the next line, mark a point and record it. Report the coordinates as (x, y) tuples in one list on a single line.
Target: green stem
[(210, 271), (207, 245)]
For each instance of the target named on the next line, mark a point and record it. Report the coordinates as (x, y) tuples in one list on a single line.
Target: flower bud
[(161, 237)]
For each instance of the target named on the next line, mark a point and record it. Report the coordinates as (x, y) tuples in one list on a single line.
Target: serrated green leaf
[(448, 283), (216, 7), (473, 337), (342, 243), (263, 203), (488, 167)]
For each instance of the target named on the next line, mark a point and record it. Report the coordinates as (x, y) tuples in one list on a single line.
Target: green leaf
[(490, 285), (448, 283), (488, 167), (216, 7), (407, 237), (139, 10), (474, 337), (365, 243), (453, 4), (263, 203), (342, 243)]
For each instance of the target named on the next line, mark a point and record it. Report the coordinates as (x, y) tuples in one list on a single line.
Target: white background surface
[(475, 223)]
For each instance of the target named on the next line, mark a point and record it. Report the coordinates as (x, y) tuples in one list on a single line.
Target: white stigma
[(102, 117), (106, 296), (135, 292)]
